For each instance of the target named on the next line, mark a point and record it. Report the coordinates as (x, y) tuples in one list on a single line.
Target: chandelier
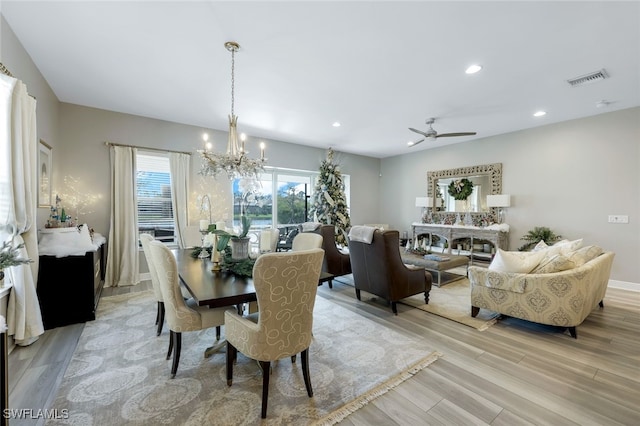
[(235, 161)]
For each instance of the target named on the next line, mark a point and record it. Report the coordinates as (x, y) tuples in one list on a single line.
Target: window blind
[(155, 211)]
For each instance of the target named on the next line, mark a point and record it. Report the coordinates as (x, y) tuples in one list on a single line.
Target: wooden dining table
[(217, 289), (209, 288)]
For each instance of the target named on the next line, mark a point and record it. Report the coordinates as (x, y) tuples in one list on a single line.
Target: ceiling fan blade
[(410, 144), (419, 131), (447, 135)]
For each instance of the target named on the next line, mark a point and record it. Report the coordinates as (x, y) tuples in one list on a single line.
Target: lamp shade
[(421, 202), (500, 200)]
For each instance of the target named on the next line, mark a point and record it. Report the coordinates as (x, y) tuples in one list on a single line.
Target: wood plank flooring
[(514, 373)]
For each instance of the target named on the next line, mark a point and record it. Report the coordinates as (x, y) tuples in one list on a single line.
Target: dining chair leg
[(293, 359), (160, 317), (266, 367), (176, 354), (217, 333), (231, 354), (170, 344), (305, 371), (157, 312), (358, 294)]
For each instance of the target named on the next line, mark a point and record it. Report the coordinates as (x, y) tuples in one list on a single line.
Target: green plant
[(224, 236), (537, 234), (10, 256)]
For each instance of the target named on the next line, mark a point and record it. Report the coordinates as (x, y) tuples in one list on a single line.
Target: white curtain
[(122, 254), (18, 186), (179, 167)]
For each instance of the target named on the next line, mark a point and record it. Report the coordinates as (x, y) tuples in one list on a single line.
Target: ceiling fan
[(433, 135)]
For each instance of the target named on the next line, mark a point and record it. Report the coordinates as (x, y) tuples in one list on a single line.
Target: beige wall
[(568, 176), (84, 156)]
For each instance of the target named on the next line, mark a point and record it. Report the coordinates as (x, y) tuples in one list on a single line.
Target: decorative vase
[(239, 248)]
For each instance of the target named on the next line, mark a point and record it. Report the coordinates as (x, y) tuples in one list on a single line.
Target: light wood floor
[(514, 373)]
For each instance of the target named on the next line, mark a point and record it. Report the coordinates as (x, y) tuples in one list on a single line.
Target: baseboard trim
[(625, 285)]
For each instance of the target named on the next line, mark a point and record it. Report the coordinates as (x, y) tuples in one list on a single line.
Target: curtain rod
[(146, 148), (5, 71)]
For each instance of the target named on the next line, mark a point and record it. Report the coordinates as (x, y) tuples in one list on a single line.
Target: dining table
[(216, 289)]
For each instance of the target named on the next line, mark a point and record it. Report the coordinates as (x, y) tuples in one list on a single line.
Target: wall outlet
[(618, 218)]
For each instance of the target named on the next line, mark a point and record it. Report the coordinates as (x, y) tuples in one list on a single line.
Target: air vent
[(588, 78)]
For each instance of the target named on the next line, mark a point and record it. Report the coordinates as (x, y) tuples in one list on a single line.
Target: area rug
[(119, 375), (453, 301)]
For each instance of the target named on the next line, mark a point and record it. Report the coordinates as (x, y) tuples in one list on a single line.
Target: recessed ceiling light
[(336, 124), (410, 143), (473, 69), (539, 113)]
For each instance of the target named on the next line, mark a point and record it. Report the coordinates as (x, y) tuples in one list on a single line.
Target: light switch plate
[(618, 218)]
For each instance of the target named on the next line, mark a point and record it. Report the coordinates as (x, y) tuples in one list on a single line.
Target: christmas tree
[(329, 199)]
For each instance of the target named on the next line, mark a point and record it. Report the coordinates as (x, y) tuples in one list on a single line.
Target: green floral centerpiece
[(10, 256), (460, 189)]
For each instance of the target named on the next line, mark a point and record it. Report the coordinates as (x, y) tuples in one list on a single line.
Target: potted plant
[(239, 243), (537, 234), (10, 256)]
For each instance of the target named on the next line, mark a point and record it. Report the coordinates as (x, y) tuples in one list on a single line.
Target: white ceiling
[(377, 67)]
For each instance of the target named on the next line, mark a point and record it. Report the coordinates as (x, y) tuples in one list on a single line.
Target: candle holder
[(203, 251)]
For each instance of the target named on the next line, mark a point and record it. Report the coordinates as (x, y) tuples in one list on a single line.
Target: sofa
[(562, 287), (378, 269)]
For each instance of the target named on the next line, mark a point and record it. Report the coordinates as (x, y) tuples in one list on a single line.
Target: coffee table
[(437, 267)]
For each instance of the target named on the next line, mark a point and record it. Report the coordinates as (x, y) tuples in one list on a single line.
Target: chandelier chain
[(233, 79)]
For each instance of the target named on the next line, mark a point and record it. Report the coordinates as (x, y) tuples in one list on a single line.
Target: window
[(155, 211), (281, 198)]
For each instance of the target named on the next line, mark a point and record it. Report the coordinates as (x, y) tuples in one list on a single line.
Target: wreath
[(461, 189)]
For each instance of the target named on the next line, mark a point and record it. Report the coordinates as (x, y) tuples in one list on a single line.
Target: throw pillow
[(516, 261), (585, 254), (540, 246), (556, 263)]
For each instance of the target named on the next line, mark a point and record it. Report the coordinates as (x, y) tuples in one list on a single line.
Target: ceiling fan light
[(539, 113), (473, 69)]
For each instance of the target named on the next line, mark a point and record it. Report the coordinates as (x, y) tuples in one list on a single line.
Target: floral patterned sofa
[(562, 287)]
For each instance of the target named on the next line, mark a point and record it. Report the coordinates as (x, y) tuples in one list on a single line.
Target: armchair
[(335, 262), (378, 269)]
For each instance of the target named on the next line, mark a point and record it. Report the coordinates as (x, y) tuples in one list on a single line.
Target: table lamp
[(501, 201)]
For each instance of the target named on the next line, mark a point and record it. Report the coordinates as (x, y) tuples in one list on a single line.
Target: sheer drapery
[(122, 255), (179, 165), (18, 158)]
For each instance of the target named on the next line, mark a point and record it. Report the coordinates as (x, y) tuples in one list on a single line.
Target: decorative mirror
[(486, 180)]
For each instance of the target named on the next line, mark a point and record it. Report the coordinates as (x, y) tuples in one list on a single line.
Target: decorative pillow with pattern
[(585, 254), (555, 263), (516, 261)]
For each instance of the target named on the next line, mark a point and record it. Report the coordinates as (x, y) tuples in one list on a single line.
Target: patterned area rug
[(119, 374), (453, 301)]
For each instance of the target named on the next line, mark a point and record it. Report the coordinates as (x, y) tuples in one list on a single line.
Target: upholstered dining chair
[(306, 241), (180, 316), (144, 240), (283, 326)]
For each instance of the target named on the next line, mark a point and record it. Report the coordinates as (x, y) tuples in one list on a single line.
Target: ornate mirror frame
[(494, 171)]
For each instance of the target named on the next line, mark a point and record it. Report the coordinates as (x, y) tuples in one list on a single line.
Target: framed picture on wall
[(44, 174)]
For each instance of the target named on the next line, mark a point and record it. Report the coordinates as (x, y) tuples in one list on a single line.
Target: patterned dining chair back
[(286, 285)]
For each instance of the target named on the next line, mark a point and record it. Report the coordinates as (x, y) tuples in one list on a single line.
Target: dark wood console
[(69, 287)]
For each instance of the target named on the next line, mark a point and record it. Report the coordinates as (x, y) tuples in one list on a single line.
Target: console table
[(499, 239)]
